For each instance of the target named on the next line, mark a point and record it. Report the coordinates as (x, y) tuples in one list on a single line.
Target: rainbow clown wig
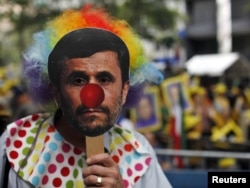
[(36, 57)]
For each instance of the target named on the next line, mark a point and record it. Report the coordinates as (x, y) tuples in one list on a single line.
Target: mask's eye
[(104, 80), (78, 78), (79, 81)]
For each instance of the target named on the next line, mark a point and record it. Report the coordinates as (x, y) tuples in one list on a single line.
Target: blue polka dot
[(121, 171), (35, 180), (46, 157), (128, 159), (136, 155), (58, 137), (53, 146), (41, 168)]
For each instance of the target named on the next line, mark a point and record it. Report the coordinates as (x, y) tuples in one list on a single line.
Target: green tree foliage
[(25, 19), (151, 19)]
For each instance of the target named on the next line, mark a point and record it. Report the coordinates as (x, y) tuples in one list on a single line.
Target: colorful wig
[(36, 57)]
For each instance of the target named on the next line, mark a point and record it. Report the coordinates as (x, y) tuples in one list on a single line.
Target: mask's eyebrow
[(105, 74), (81, 74)]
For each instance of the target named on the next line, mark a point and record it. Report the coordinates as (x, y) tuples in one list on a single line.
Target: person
[(81, 47), (155, 141), (21, 103), (5, 116)]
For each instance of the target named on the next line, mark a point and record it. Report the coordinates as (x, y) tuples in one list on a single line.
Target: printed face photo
[(175, 93), (147, 114)]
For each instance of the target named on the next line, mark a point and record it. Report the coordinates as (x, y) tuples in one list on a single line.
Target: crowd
[(193, 116), (218, 120), (16, 104)]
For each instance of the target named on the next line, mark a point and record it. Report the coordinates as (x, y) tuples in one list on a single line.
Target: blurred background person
[(5, 115), (21, 103)]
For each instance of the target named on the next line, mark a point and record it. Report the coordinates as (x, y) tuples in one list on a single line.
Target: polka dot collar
[(39, 154)]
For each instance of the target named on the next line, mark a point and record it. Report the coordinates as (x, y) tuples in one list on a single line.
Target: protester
[(5, 114), (81, 48), (22, 104), (155, 141)]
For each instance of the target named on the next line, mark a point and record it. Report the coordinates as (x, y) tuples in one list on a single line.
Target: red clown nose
[(92, 95)]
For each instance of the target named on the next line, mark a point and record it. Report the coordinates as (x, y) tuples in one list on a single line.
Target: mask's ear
[(125, 92), (55, 93)]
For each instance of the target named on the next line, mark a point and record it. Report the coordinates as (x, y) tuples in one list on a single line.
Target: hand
[(104, 167)]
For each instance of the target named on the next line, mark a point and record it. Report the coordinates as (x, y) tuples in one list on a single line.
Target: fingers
[(102, 171), (94, 181), (103, 159), (94, 170), (102, 166), (98, 181)]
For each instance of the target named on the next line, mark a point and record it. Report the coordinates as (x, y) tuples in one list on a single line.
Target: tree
[(25, 18), (151, 19)]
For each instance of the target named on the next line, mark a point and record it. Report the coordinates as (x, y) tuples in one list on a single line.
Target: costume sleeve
[(154, 177), (13, 181), (2, 158)]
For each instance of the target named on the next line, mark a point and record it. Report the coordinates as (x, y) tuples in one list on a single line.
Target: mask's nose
[(92, 95)]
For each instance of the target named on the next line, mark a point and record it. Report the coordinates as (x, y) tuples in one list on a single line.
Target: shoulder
[(3, 138), (142, 139), (28, 121), (21, 128), (132, 136), (154, 175)]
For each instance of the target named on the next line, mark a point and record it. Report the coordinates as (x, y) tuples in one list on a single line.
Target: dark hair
[(84, 43)]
